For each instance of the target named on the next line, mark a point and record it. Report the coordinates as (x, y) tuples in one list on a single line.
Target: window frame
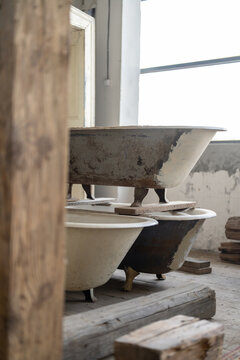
[(193, 64)]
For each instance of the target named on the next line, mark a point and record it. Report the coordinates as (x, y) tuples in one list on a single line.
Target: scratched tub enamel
[(139, 156), (96, 244), (165, 247)]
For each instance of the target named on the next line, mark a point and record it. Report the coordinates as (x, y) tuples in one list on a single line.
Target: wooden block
[(233, 223), (178, 338), (232, 258), (232, 234), (91, 334), (197, 271), (172, 205), (232, 228), (195, 263), (230, 247)]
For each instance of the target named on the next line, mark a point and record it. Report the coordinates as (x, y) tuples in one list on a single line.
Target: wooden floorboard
[(91, 334), (224, 279)]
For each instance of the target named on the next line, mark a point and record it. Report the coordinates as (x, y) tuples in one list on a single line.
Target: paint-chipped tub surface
[(165, 247), (96, 244), (138, 156)]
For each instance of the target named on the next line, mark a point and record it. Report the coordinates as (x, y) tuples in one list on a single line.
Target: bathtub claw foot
[(89, 295), (69, 192), (139, 195), (130, 275), (162, 195), (161, 277), (87, 189)]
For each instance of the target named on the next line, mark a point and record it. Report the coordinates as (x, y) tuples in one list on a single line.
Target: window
[(190, 64)]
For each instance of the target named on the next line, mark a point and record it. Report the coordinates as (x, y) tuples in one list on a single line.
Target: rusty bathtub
[(156, 157), (165, 248)]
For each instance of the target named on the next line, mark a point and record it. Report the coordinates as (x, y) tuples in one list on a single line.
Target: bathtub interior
[(81, 218), (176, 215)]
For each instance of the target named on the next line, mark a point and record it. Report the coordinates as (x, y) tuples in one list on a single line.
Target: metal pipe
[(194, 64)]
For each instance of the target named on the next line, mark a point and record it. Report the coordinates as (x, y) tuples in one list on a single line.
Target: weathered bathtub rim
[(148, 127), (182, 215), (187, 215), (130, 221)]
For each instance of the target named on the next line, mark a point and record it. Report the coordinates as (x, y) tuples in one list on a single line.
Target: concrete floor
[(224, 279)]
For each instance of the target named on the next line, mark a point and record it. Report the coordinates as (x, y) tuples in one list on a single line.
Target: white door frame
[(81, 20)]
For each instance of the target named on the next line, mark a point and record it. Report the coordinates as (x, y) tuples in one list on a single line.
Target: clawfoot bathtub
[(96, 244), (164, 247), (143, 157)]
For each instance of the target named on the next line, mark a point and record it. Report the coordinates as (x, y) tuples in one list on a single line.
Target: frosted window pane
[(178, 31), (206, 96)]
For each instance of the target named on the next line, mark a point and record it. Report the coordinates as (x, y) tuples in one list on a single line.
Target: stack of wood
[(195, 266), (230, 251)]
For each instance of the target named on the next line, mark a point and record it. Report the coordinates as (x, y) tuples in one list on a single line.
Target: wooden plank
[(180, 337), (233, 223), (91, 334), (172, 205), (233, 258), (230, 247), (196, 263), (33, 159), (232, 234), (197, 271), (232, 228)]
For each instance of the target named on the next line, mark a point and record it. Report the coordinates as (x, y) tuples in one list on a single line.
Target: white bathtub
[(164, 247), (96, 244)]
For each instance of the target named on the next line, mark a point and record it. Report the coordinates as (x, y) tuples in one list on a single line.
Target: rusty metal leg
[(162, 195), (161, 277), (130, 275), (139, 195), (89, 295), (69, 193), (87, 189)]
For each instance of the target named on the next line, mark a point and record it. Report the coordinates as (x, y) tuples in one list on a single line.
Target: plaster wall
[(215, 184)]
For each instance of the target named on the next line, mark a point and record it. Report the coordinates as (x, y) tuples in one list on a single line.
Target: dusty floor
[(224, 279)]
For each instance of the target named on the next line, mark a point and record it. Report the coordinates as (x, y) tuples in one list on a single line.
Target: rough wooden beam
[(91, 334), (33, 147)]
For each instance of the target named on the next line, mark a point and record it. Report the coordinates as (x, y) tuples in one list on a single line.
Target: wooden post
[(33, 149)]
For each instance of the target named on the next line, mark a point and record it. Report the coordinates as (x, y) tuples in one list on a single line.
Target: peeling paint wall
[(215, 184)]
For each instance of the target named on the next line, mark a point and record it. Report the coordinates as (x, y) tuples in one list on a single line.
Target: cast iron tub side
[(165, 247), (138, 156)]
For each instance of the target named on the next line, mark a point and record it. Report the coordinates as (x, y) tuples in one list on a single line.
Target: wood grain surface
[(33, 154), (91, 334), (180, 337)]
